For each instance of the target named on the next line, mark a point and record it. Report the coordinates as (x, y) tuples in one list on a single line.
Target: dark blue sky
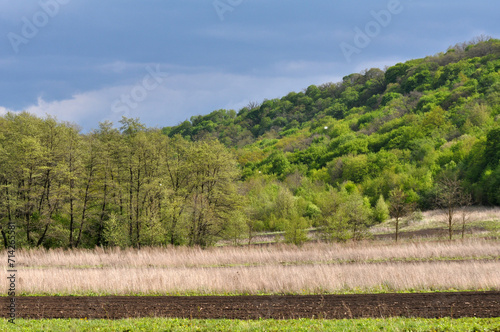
[(166, 60)]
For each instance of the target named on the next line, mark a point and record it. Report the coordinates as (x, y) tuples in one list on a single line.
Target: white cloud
[(179, 97), (4, 110), (81, 108)]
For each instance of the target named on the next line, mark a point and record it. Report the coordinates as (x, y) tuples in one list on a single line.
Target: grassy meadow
[(411, 265), (161, 324), (314, 268)]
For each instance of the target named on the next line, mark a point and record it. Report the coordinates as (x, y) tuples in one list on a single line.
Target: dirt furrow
[(425, 305)]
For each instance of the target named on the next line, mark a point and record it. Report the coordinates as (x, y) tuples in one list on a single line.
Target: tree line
[(128, 187), (337, 157), (135, 186)]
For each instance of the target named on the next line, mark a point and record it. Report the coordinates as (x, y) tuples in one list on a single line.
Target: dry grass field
[(432, 219), (315, 268), (280, 254), (306, 279)]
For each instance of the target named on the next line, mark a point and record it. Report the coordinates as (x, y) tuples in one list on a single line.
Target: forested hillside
[(338, 156)]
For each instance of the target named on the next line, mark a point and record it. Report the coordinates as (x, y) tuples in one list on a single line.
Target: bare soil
[(425, 305)]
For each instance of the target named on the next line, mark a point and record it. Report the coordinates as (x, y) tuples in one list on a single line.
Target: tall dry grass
[(307, 279), (311, 253), (312, 268), (439, 219), (474, 213)]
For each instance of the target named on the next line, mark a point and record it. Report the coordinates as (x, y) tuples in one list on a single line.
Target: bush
[(381, 211)]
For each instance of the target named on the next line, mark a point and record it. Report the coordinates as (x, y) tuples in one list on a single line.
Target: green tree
[(214, 195), (399, 207), (109, 194), (115, 232), (296, 230), (492, 149), (287, 210), (179, 182), (347, 217), (381, 210), (357, 212), (279, 163)]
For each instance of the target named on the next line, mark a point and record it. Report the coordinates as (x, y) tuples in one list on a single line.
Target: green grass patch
[(163, 324), (489, 225)]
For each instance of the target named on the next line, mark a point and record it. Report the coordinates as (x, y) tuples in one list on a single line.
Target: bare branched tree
[(399, 207), (449, 198), (253, 104), (465, 203)]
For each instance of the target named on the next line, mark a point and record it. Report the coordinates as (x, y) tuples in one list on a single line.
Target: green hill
[(338, 157), (404, 126)]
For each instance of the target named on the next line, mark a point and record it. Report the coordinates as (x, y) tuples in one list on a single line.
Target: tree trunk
[(5, 240), (450, 223), (397, 228), (47, 193), (131, 208), (71, 222), (84, 209), (463, 228), (71, 201), (101, 217), (40, 240), (9, 216), (27, 210), (137, 210)]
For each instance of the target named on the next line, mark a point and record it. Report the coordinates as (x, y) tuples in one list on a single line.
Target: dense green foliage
[(327, 157), (165, 324), (134, 187), (402, 128)]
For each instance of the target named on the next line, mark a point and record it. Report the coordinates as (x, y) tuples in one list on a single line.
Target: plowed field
[(425, 305)]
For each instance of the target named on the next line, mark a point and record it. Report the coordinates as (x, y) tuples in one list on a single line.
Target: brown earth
[(425, 305)]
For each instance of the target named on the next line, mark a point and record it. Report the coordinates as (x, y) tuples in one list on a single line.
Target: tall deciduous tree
[(381, 210), (214, 195), (449, 198), (179, 183)]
